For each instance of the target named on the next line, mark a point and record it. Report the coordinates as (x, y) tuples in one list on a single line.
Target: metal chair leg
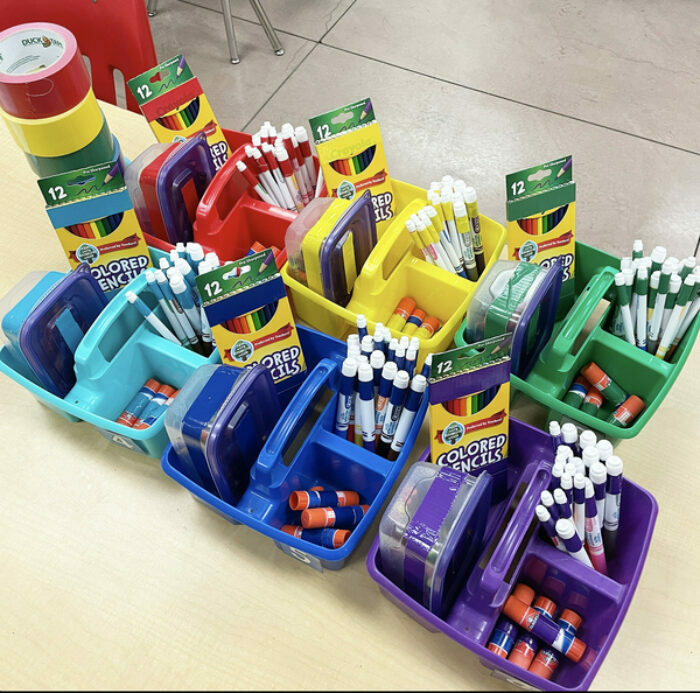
[(230, 34), (152, 8), (267, 26)]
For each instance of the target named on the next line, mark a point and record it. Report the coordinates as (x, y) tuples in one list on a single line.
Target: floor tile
[(235, 92), (627, 187), (630, 67), (308, 18)]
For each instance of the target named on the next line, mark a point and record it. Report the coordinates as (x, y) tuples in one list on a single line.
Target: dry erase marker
[(427, 363), (361, 323), (393, 412), (624, 304), (465, 238), (302, 138), (379, 338), (545, 518), (562, 504), (569, 436), (475, 222), (366, 345), (605, 449), (165, 306), (555, 435), (346, 393), (255, 183), (196, 255), (570, 467), (410, 362), (590, 456), (391, 349), (400, 356), (365, 404), (586, 439), (598, 475), (151, 319), (176, 308), (557, 471), (580, 503), (669, 333), (408, 415), (674, 287), (376, 361), (594, 539), (564, 451), (503, 638), (547, 501), (567, 532), (387, 379), (613, 496), (184, 296), (691, 310), (641, 287), (567, 485), (289, 179)]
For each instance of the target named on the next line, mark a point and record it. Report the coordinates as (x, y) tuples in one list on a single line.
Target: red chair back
[(113, 34)]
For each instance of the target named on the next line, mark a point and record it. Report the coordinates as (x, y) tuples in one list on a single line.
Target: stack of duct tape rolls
[(47, 102)]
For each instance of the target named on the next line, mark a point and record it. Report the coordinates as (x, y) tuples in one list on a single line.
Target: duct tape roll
[(101, 149), (61, 134), (42, 72)]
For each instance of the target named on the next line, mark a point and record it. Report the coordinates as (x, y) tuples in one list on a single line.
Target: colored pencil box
[(300, 452), (512, 552), (92, 362), (582, 336), (515, 297), (395, 268)]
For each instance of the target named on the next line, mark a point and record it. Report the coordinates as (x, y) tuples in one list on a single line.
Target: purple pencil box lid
[(431, 532)]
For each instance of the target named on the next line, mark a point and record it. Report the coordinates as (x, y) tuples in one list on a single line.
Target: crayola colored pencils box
[(541, 211), (92, 213), (251, 320), (351, 154), (469, 403), (176, 107)]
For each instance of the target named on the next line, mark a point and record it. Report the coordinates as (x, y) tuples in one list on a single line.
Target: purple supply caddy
[(512, 551)]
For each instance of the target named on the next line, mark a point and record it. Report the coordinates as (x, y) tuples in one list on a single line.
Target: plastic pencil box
[(574, 343), (394, 269), (294, 449), (91, 357), (509, 550)]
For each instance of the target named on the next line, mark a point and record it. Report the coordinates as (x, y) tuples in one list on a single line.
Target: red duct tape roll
[(42, 72)]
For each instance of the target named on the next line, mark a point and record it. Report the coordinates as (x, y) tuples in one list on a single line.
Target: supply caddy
[(572, 348), (290, 447), (395, 269), (426, 582), (86, 358)]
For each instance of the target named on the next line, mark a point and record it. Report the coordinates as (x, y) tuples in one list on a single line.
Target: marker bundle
[(412, 321), (281, 168), (174, 288), (97, 228), (580, 511), (253, 321), (535, 646), (541, 209), (379, 394), (469, 403), (148, 405), (658, 298), (181, 118), (326, 517), (596, 393), (355, 164)]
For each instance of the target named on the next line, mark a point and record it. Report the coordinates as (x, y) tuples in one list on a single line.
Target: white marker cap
[(670, 264), (353, 338), (377, 359), (401, 379), (637, 246), (150, 276), (428, 361), (174, 274), (287, 127), (570, 467), (389, 370), (446, 195), (400, 351), (411, 354), (183, 266), (675, 284), (589, 488), (393, 344), (354, 351), (565, 528), (642, 273), (361, 358), (301, 134), (586, 439), (559, 496), (414, 343), (579, 467), (177, 282), (349, 369), (590, 455), (447, 179), (469, 194), (365, 374), (605, 449), (554, 428), (241, 166), (257, 139), (567, 481), (131, 296), (598, 473), (410, 225), (248, 150), (160, 276), (654, 279), (204, 267), (558, 468), (542, 513), (629, 276), (626, 263), (619, 279), (564, 451), (569, 433), (579, 480), (196, 251), (367, 343), (419, 383), (281, 153), (387, 335), (658, 254), (163, 263), (379, 331), (404, 341), (429, 211), (459, 183), (613, 465), (546, 498), (361, 320), (460, 209)]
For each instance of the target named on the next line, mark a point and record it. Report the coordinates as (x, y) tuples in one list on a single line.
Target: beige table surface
[(112, 576)]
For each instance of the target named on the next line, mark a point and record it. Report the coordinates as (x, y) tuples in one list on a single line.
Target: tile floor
[(480, 89)]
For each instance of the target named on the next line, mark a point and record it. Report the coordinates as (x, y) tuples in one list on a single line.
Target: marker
[(207, 336), (586, 439), (361, 326), (547, 501), (151, 319), (393, 411), (379, 338), (455, 242), (329, 538), (604, 383), (570, 467), (400, 356), (657, 312), (184, 296), (545, 518), (376, 361), (674, 288), (302, 138), (555, 435), (577, 392), (413, 400), (367, 345), (564, 451), (301, 500), (580, 503), (594, 539), (385, 383), (410, 362), (628, 273), (465, 237), (557, 471), (165, 306), (562, 504), (569, 436), (641, 287), (346, 394), (138, 403), (189, 276), (196, 255), (605, 449), (669, 333), (567, 532), (544, 664), (289, 179), (427, 363), (503, 638), (624, 305), (365, 404), (613, 496), (627, 412), (341, 518), (691, 310), (543, 627), (469, 195), (391, 349), (176, 308), (590, 456)]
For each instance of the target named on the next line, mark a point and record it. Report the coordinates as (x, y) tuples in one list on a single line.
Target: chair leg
[(230, 34), (267, 26), (152, 8)]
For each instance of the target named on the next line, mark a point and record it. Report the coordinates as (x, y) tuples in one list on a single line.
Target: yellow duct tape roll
[(58, 135)]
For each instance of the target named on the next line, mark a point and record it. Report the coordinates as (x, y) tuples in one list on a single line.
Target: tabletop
[(114, 577)]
